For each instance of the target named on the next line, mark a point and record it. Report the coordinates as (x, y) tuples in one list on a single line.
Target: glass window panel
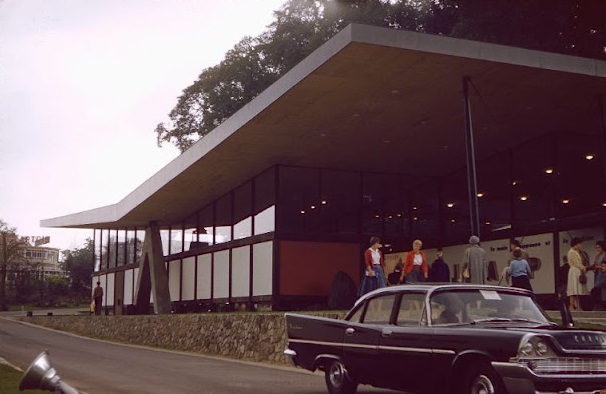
[(265, 190), (374, 196), (340, 202), (165, 237), (111, 249), (243, 228), (299, 199), (176, 240), (224, 219), (424, 211), (122, 247), (243, 209), (138, 245), (98, 236), (205, 231), (131, 246), (265, 221)]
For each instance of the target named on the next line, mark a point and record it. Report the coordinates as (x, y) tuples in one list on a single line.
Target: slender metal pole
[(472, 187), (602, 115)]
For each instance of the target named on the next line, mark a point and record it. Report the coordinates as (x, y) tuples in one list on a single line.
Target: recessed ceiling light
[(549, 171), (302, 211), (565, 201), (523, 198), (480, 194), (589, 156), (450, 204)]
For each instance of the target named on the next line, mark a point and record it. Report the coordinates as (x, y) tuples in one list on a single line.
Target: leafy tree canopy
[(574, 27)]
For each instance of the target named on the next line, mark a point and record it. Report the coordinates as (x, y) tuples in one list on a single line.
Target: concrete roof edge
[(477, 50), (85, 219)]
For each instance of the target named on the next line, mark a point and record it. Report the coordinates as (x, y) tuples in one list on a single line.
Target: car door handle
[(349, 331), (386, 333)]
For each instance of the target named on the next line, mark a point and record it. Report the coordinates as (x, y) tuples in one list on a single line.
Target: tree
[(78, 264), (10, 245), (575, 27)]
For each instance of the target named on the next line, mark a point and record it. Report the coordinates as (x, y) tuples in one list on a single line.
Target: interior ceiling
[(384, 109)]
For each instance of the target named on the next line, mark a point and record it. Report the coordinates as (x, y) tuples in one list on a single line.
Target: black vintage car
[(449, 339)]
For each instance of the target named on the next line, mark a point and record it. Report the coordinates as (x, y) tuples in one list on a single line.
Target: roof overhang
[(372, 99)]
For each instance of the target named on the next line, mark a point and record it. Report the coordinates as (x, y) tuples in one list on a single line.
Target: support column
[(152, 278), (472, 186)]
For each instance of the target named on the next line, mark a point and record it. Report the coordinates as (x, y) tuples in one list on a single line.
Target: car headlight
[(535, 346)]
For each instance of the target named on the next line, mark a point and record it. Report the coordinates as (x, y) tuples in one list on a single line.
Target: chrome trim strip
[(373, 347)]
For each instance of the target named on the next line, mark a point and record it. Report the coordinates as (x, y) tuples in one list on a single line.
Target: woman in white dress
[(575, 287)]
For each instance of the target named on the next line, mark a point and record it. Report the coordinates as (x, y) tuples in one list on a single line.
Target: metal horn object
[(41, 376)]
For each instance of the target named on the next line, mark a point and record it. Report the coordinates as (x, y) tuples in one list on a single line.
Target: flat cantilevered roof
[(372, 99)]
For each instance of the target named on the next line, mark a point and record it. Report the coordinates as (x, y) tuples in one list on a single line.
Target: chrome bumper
[(521, 380)]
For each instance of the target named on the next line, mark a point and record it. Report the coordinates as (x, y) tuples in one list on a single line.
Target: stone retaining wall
[(246, 336)]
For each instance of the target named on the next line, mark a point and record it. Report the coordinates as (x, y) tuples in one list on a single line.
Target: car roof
[(431, 287)]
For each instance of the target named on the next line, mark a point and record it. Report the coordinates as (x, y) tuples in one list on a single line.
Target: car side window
[(411, 310), (378, 309)]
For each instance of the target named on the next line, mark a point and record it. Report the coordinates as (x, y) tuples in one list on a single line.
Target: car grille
[(570, 365)]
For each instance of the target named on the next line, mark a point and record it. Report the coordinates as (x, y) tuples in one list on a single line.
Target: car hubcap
[(482, 385), (337, 374)]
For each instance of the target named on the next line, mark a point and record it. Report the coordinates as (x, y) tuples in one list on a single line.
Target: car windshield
[(473, 306)]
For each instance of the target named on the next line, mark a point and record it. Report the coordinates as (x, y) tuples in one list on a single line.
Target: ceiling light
[(488, 222), (452, 220), (302, 211), (549, 171), (313, 207), (523, 198), (589, 156), (324, 202), (565, 201), (450, 204), (480, 194), (513, 183)]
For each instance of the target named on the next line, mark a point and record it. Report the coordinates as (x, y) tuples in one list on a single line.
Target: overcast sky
[(83, 83)]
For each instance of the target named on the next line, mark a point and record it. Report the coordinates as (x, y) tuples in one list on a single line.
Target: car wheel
[(337, 379), (482, 379)]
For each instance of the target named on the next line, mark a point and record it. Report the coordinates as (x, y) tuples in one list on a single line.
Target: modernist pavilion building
[(378, 132)]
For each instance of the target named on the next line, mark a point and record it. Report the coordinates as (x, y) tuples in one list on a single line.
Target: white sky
[(83, 83)]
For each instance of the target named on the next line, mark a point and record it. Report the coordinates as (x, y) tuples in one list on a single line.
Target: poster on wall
[(589, 236), (540, 248)]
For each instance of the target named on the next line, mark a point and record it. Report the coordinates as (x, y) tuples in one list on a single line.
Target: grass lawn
[(9, 381)]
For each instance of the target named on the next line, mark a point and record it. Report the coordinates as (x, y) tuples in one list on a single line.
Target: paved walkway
[(593, 317)]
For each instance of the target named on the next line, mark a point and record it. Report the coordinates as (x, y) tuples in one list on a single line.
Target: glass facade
[(542, 186)]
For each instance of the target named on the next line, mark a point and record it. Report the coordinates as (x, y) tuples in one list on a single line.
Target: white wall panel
[(262, 268), (240, 264), (109, 290), (174, 279), (129, 288), (188, 276), (204, 278), (221, 274)]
